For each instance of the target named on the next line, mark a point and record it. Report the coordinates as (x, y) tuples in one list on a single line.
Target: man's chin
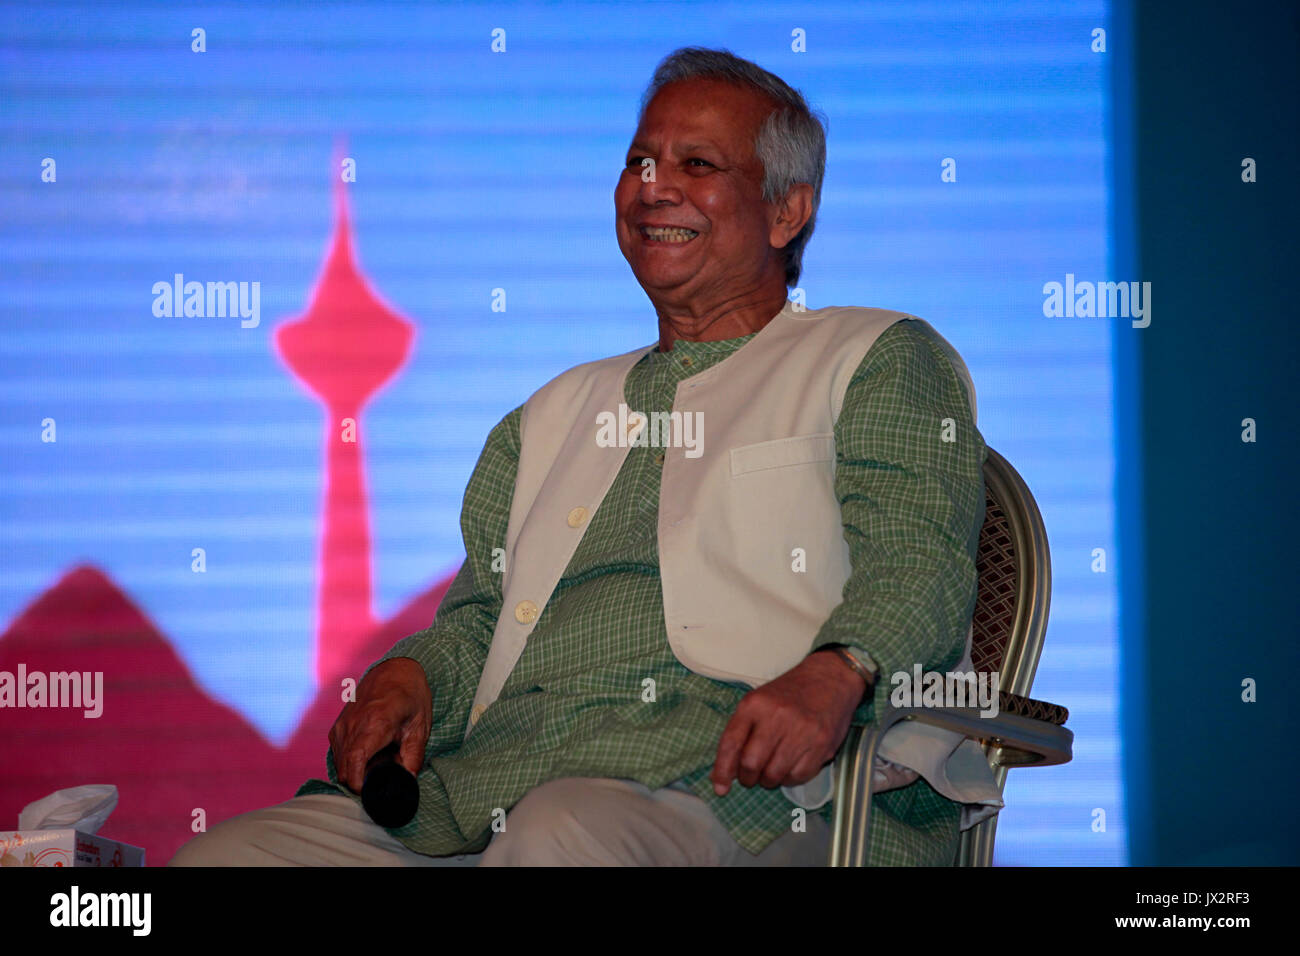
[(663, 280), (662, 291)]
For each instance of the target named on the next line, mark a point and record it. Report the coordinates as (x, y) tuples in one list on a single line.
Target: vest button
[(659, 458), (577, 516), (525, 612), (476, 713)]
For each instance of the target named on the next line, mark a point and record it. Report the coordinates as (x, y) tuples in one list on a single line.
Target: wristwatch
[(860, 661)]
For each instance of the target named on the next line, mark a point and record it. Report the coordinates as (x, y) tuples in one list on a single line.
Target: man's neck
[(728, 320)]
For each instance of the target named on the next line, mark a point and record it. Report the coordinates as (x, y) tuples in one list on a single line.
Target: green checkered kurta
[(573, 706)]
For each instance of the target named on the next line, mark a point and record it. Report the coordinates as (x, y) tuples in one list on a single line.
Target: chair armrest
[(1028, 707), (1017, 741)]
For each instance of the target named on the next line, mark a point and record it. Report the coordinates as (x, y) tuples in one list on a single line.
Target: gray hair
[(791, 141)]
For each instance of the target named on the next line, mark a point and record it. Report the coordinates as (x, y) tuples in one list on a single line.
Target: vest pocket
[(783, 452)]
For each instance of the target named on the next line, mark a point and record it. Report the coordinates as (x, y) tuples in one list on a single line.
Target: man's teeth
[(674, 234)]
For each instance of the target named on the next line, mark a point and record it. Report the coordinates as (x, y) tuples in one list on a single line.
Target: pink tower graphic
[(343, 349)]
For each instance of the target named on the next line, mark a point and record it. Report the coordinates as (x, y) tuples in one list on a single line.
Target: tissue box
[(65, 848)]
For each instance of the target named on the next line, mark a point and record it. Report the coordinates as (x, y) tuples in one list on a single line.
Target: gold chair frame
[(1010, 621)]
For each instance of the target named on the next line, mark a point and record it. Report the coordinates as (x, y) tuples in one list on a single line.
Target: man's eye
[(637, 163)]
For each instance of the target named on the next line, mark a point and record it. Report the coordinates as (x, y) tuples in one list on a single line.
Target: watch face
[(864, 660)]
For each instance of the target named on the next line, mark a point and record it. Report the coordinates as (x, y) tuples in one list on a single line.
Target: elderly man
[(687, 566)]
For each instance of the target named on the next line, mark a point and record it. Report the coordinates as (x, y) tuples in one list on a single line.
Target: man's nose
[(659, 187)]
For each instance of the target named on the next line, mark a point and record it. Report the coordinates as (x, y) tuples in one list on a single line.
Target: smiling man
[(675, 645)]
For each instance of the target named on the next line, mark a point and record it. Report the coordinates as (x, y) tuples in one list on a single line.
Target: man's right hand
[(393, 703)]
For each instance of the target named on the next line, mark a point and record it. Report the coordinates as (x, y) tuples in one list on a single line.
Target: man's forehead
[(683, 145), (702, 96), (692, 109)]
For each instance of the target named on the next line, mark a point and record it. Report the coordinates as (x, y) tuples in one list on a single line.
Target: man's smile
[(667, 235)]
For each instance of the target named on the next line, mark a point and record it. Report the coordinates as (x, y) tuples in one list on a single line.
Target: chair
[(1010, 619)]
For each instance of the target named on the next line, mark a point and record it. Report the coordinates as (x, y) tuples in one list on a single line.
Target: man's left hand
[(784, 732)]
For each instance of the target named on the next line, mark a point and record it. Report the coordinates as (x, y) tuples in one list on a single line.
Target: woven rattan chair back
[(1014, 591)]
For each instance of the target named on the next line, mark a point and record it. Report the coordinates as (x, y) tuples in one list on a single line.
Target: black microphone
[(390, 793)]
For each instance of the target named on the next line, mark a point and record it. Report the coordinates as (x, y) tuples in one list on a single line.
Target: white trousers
[(575, 821)]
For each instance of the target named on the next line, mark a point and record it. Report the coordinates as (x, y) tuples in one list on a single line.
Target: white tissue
[(76, 808)]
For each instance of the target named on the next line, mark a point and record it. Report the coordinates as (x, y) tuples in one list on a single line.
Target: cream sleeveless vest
[(755, 483)]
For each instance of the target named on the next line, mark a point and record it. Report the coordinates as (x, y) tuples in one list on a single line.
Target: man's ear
[(792, 213)]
